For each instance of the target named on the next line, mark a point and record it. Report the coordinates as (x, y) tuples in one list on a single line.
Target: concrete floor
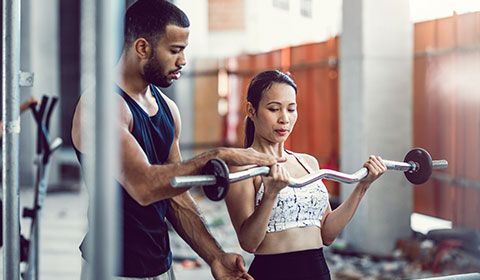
[(62, 229)]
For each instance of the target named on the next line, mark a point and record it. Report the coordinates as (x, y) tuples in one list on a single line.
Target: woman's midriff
[(290, 240)]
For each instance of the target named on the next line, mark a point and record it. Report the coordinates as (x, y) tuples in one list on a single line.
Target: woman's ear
[(250, 110), (143, 49)]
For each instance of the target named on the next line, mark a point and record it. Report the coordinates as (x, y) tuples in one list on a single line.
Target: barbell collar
[(439, 164)]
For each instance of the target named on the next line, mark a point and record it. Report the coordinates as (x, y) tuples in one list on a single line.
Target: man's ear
[(143, 49), (250, 110)]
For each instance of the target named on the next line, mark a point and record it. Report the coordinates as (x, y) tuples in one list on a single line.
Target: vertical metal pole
[(11, 131), (102, 24), (87, 88), (106, 199)]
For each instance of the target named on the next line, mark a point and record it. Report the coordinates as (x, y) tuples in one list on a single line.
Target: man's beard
[(152, 72)]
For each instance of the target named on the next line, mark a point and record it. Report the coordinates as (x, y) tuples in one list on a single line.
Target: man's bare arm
[(148, 183), (184, 215)]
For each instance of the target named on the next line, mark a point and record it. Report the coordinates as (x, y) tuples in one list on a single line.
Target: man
[(156, 35)]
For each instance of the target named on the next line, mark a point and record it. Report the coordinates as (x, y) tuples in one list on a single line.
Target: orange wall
[(446, 118)]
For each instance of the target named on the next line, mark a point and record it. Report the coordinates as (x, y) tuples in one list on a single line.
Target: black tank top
[(146, 248)]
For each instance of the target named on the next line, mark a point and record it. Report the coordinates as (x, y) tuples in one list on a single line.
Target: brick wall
[(226, 15)]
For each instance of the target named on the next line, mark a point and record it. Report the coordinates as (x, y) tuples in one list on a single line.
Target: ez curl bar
[(417, 166)]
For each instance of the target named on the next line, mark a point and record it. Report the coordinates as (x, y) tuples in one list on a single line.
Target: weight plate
[(423, 161), (219, 169)]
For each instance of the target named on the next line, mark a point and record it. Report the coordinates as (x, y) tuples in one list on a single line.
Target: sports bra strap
[(301, 160)]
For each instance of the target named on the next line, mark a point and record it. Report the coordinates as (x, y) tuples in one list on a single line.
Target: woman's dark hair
[(260, 84), (149, 18)]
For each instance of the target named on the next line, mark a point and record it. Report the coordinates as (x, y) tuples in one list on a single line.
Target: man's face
[(168, 57)]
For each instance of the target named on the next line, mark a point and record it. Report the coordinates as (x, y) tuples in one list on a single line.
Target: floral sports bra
[(297, 207)]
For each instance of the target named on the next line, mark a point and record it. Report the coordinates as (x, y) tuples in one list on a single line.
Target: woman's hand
[(375, 167), (276, 180)]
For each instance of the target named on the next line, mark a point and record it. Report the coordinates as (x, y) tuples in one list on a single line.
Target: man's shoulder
[(86, 107), (165, 97), (170, 103)]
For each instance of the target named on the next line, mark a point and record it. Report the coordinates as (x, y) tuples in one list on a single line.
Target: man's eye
[(175, 51)]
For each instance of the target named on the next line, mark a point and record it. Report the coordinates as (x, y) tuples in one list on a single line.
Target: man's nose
[(182, 60)]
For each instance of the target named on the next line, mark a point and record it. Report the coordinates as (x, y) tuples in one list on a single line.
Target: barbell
[(417, 167)]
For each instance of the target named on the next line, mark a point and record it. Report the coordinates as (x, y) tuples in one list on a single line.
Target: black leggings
[(304, 265)]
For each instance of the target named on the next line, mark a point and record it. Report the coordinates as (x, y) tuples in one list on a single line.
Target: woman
[(284, 227)]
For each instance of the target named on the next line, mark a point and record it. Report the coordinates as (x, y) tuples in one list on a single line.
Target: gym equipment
[(417, 166), (45, 149), (29, 248)]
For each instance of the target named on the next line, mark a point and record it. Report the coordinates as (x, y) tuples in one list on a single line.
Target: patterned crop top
[(297, 207)]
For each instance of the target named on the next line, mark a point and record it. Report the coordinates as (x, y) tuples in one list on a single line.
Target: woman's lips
[(281, 132)]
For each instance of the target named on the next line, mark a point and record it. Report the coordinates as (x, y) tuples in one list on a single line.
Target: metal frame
[(100, 31), (10, 142), (45, 149)]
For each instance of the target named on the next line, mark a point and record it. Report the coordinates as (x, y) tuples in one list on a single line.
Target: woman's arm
[(335, 221), (249, 222)]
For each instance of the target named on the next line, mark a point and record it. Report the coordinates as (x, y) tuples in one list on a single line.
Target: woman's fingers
[(375, 166), (378, 163), (278, 174), (284, 176)]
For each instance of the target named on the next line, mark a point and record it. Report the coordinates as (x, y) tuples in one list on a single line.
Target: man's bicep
[(133, 159), (78, 125), (175, 154)]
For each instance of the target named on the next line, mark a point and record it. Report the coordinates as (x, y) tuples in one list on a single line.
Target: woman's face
[(276, 114)]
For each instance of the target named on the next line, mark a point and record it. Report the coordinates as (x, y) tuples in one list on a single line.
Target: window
[(282, 4), (306, 8)]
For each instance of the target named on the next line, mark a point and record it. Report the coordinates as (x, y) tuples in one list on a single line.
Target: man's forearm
[(184, 216), (155, 179)]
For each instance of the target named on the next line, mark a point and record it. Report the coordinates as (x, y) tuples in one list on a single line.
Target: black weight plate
[(219, 169), (423, 160)]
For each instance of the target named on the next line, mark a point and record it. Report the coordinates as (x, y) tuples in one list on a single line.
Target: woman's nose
[(283, 118)]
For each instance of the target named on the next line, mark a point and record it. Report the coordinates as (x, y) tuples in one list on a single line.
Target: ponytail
[(249, 132)]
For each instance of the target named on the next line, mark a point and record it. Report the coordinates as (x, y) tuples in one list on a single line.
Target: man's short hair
[(149, 18)]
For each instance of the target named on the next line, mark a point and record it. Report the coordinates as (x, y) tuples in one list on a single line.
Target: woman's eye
[(292, 110), (272, 109)]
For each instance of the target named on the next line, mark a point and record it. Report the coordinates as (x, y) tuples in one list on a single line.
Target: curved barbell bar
[(417, 166), (207, 180)]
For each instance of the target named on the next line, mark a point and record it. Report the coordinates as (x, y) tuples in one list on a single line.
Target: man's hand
[(240, 157), (229, 266)]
